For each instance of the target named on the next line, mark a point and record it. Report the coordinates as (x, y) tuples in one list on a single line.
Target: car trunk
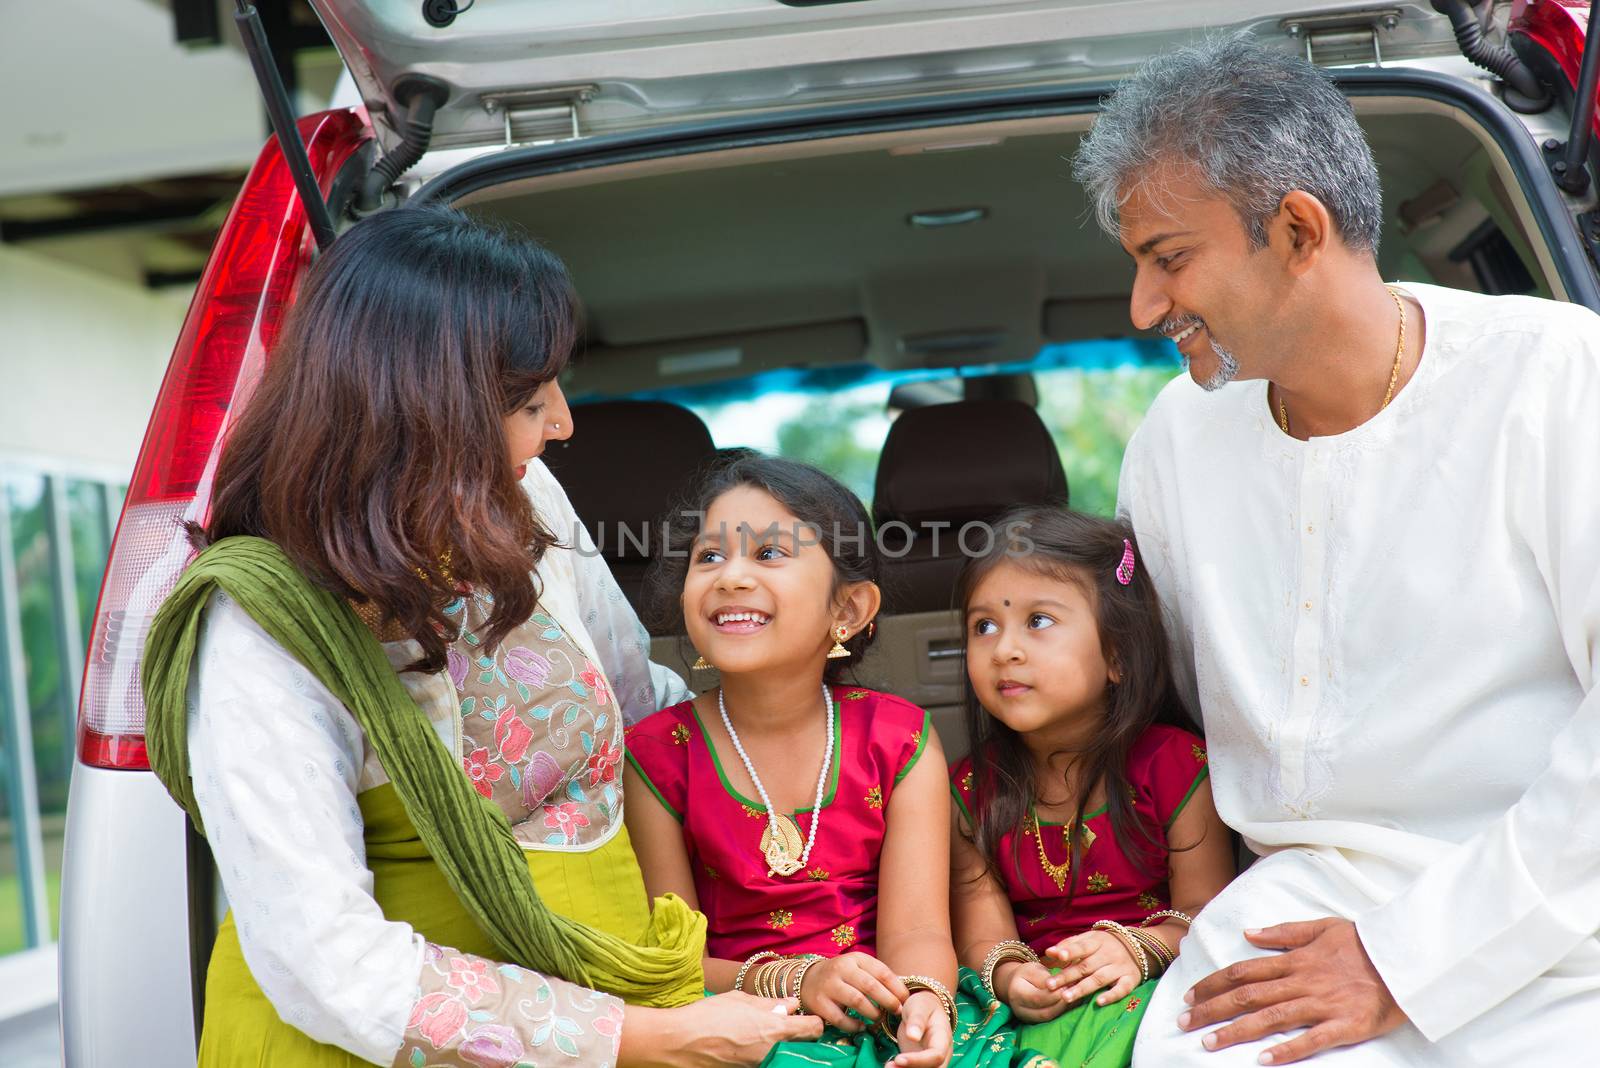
[(945, 235)]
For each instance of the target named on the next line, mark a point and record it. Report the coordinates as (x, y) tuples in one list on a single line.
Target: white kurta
[(278, 762), (1392, 636)]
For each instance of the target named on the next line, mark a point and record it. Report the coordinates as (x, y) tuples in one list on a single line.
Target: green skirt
[(986, 1038), (1089, 1035)]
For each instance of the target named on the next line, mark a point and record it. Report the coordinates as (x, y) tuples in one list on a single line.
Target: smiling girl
[(1085, 836), (808, 819)]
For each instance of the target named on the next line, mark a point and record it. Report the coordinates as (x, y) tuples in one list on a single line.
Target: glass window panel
[(1091, 396), (13, 934), (47, 689), (86, 515)]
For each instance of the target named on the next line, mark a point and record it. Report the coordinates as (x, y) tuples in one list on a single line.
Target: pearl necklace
[(781, 837)]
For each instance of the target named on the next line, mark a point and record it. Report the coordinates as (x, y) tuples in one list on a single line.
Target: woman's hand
[(1095, 960), (718, 1032), (1032, 992), (856, 981), (924, 1035)]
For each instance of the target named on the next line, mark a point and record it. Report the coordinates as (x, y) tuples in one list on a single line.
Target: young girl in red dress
[(808, 819), (1085, 835)]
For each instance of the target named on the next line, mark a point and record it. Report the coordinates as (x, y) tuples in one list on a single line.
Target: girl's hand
[(1032, 992), (1095, 960), (732, 1029), (924, 1035), (852, 981)]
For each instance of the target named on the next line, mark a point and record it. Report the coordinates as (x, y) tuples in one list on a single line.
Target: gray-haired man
[(1371, 513)]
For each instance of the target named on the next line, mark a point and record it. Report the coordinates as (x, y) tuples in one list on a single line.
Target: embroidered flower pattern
[(486, 1015), (1099, 882), (591, 678), (482, 773), (472, 978), (511, 736), (754, 813), (538, 728), (566, 818), (1198, 753), (680, 734), (966, 783), (778, 919), (437, 1017), (817, 874), (603, 763), (856, 695), (874, 797), (916, 738), (843, 935), (712, 873), (528, 667), (1147, 900)]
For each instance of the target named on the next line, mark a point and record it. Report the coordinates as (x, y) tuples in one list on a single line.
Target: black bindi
[(1008, 604)]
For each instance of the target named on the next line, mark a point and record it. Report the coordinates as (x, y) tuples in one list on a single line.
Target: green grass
[(11, 930)]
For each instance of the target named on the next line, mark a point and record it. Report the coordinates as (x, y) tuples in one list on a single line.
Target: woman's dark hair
[(372, 451), (1085, 550), (833, 515)]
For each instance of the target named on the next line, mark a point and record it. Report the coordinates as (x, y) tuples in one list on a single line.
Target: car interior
[(956, 248)]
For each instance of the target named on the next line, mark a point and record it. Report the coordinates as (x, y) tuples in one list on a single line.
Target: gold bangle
[(764, 976), (1009, 950), (1135, 950), (913, 983), (1168, 914), (744, 969), (1155, 946), (800, 979)]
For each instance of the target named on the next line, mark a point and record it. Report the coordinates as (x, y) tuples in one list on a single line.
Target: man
[(1371, 513)]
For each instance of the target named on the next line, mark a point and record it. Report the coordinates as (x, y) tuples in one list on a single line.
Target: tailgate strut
[(283, 124)]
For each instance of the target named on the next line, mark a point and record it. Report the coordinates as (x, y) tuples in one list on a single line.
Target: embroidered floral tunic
[(309, 837), (1165, 767), (831, 906)]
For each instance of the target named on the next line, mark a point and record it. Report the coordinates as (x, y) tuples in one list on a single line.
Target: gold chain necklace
[(1058, 872), (1394, 372)]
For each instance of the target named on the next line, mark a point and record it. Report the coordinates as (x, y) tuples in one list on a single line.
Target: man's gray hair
[(1256, 122)]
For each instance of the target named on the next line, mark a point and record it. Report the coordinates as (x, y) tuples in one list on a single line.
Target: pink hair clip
[(1125, 569)]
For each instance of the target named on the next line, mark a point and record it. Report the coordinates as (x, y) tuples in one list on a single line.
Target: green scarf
[(467, 835)]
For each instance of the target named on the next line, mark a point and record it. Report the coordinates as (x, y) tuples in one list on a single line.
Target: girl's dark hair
[(832, 515), (1085, 550), (373, 446)]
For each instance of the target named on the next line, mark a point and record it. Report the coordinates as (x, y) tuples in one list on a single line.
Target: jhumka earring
[(701, 664), (840, 633)]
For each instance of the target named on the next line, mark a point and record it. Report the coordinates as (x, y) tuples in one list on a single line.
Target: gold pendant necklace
[(783, 849), (1394, 372), (1058, 872)]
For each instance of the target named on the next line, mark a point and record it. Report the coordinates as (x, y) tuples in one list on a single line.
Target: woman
[(422, 841)]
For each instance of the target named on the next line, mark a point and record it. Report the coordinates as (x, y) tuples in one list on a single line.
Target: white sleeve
[(1139, 504), (620, 641), (1509, 903), (275, 760)]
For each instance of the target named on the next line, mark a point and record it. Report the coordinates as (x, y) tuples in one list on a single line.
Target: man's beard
[(1227, 368)]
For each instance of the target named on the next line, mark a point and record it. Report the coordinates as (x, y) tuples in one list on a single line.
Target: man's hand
[(1325, 982)]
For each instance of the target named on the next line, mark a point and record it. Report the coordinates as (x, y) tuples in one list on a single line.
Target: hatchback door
[(514, 71)]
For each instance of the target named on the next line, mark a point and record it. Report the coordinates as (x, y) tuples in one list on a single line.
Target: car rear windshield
[(1091, 396)]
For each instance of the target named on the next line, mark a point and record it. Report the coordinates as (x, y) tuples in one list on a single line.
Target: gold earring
[(701, 664), (840, 633)]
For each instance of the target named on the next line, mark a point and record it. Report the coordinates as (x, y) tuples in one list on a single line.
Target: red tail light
[(1558, 27), (262, 251)]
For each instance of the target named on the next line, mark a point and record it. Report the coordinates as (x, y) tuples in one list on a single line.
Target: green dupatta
[(467, 835)]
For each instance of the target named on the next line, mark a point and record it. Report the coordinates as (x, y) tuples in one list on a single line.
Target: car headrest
[(625, 465), (966, 461)]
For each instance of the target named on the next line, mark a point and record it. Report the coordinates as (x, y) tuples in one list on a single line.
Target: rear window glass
[(1091, 395)]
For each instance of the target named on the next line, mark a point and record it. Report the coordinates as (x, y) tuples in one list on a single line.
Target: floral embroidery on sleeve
[(472, 1012)]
